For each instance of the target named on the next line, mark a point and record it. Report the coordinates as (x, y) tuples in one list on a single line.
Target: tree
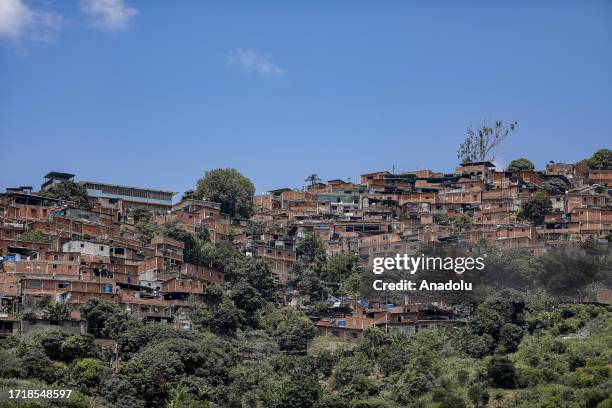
[(521, 164), (145, 224), (600, 160), (446, 397), (535, 208), (79, 346), (146, 229), (510, 336), (311, 249), (312, 179), (479, 395), (188, 195), (555, 186), (564, 271), (69, 191), (463, 223), (89, 374), (351, 376), (194, 244), (131, 341), (99, 313), (140, 214), (50, 341), (247, 298), (34, 236), (224, 320), (213, 293), (38, 365), (12, 366), (229, 188), (501, 373), (292, 329), (57, 311), (479, 147)]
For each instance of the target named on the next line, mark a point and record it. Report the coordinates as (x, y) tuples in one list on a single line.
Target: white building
[(85, 247)]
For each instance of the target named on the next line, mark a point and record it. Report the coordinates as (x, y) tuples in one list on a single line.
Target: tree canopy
[(535, 208), (600, 160), (521, 164), (229, 188), (69, 191)]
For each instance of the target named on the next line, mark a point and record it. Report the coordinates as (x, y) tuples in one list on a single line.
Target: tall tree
[(479, 146), (521, 164), (600, 160), (535, 208), (312, 179), (69, 191), (229, 188)]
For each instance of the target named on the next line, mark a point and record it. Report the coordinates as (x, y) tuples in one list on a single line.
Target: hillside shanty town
[(60, 251)]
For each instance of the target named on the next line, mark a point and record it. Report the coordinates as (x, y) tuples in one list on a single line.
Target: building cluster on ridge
[(95, 253), (387, 213)]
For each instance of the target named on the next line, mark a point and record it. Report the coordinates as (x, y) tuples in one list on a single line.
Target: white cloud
[(109, 15), (17, 21), (252, 60)]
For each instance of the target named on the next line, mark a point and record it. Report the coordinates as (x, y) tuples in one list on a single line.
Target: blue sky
[(153, 93)]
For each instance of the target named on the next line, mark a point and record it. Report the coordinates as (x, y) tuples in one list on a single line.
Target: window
[(82, 245), (101, 248), (34, 285), (63, 285)]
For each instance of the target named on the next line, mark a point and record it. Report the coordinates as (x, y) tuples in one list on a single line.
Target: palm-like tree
[(312, 179)]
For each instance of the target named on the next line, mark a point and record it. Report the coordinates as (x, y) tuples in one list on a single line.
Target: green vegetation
[(230, 188), (519, 349), (600, 160), (535, 208), (555, 186), (34, 236), (318, 275), (521, 164), (463, 223), (69, 191), (144, 223)]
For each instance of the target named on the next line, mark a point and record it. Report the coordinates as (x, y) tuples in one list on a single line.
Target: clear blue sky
[(153, 93)]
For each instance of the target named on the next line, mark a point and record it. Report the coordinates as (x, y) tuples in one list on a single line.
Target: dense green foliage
[(229, 188), (535, 208), (517, 350), (34, 235), (144, 223), (69, 191), (521, 164), (520, 347), (317, 275), (555, 186), (463, 222), (600, 160)]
